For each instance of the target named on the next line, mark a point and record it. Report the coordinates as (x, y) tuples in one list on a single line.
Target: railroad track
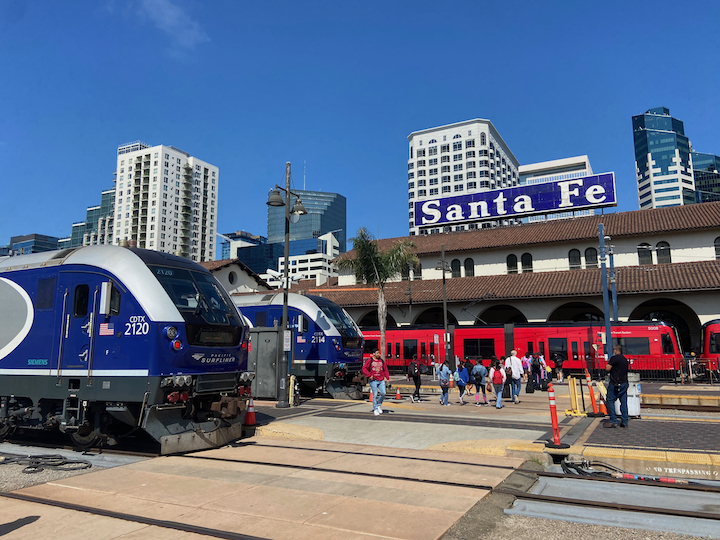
[(652, 503)]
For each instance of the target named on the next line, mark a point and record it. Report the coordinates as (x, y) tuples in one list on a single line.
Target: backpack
[(497, 377), (414, 370), (456, 376), (535, 362)]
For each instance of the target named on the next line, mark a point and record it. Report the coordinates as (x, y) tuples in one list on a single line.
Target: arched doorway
[(502, 314), (673, 312), (434, 316), (576, 312), (370, 320)]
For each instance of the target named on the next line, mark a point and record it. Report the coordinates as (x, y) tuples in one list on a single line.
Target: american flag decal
[(107, 329)]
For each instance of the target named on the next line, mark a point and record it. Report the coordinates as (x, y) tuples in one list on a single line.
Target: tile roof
[(620, 224), (662, 278)]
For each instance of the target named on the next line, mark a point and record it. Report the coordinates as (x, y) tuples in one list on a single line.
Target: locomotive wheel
[(85, 437), (6, 430)]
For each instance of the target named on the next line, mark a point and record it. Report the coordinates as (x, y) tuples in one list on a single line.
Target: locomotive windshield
[(340, 320), (210, 315)]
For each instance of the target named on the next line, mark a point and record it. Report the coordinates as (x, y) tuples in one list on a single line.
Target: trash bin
[(633, 396)]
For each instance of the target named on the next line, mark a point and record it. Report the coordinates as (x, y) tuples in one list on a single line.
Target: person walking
[(478, 374), (444, 375), (498, 377), (559, 361), (526, 361), (536, 370), (376, 371), (514, 370), (617, 368), (413, 372), (462, 380)]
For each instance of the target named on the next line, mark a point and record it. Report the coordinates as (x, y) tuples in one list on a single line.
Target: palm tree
[(373, 267)]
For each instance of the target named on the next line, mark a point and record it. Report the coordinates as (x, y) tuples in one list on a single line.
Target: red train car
[(650, 346), (709, 361)]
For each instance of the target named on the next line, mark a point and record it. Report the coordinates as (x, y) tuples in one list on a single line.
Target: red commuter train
[(709, 361), (651, 346)]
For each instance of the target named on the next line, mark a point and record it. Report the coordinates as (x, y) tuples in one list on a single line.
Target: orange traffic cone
[(603, 408), (250, 414), (397, 395), (370, 399)]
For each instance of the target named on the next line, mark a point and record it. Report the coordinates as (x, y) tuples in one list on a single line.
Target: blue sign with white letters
[(544, 198)]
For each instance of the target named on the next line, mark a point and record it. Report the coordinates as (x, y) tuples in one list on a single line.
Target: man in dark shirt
[(617, 367)]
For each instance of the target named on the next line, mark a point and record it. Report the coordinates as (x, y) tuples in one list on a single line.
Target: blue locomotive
[(101, 341), (327, 347)]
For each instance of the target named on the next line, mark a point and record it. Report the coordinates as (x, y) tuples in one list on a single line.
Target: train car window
[(574, 350), (410, 348), (389, 350), (541, 347), (587, 350), (45, 293), (714, 343), (423, 351), (115, 301), (80, 301), (667, 344), (530, 347), (479, 348), (432, 350), (397, 350), (370, 346), (557, 347), (261, 318), (640, 345)]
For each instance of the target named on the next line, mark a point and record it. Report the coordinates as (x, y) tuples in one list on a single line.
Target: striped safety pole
[(596, 413), (553, 416)]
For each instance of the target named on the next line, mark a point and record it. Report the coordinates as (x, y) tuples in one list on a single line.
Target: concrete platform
[(268, 488)]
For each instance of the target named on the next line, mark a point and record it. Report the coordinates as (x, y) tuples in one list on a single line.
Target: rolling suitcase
[(530, 387)]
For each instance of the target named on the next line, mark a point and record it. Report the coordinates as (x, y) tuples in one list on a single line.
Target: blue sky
[(335, 88)]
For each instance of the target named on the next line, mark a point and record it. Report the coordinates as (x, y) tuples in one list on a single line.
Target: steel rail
[(174, 525), (340, 471), (640, 482), (608, 505)]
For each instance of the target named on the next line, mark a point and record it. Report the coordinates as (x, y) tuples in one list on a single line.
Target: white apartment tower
[(166, 200), (457, 159)]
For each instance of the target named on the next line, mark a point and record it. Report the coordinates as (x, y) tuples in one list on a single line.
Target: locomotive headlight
[(171, 332), (182, 380), (167, 381)]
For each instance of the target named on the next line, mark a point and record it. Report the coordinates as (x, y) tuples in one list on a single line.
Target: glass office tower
[(706, 169), (662, 160), (326, 212)]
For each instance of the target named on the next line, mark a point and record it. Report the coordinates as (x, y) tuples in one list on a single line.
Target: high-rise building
[(662, 160), (457, 159), (706, 171), (553, 171), (238, 239), (97, 227), (326, 212), (166, 200)]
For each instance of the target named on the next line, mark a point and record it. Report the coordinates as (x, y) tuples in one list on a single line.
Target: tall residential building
[(662, 160), (326, 212), (166, 200), (457, 159), (706, 172), (553, 171)]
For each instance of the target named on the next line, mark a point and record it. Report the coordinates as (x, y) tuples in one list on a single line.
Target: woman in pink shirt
[(376, 371)]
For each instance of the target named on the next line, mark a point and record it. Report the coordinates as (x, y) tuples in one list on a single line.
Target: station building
[(667, 263)]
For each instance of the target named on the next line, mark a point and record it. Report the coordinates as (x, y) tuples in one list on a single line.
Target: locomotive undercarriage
[(200, 420)]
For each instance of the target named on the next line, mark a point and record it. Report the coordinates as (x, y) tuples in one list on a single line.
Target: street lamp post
[(444, 267), (283, 364)]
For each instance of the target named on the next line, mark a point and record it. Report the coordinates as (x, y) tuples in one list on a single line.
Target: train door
[(77, 325), (557, 349)]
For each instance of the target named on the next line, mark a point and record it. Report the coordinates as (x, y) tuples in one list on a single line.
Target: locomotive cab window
[(370, 346), (714, 343), (80, 301), (667, 344)]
